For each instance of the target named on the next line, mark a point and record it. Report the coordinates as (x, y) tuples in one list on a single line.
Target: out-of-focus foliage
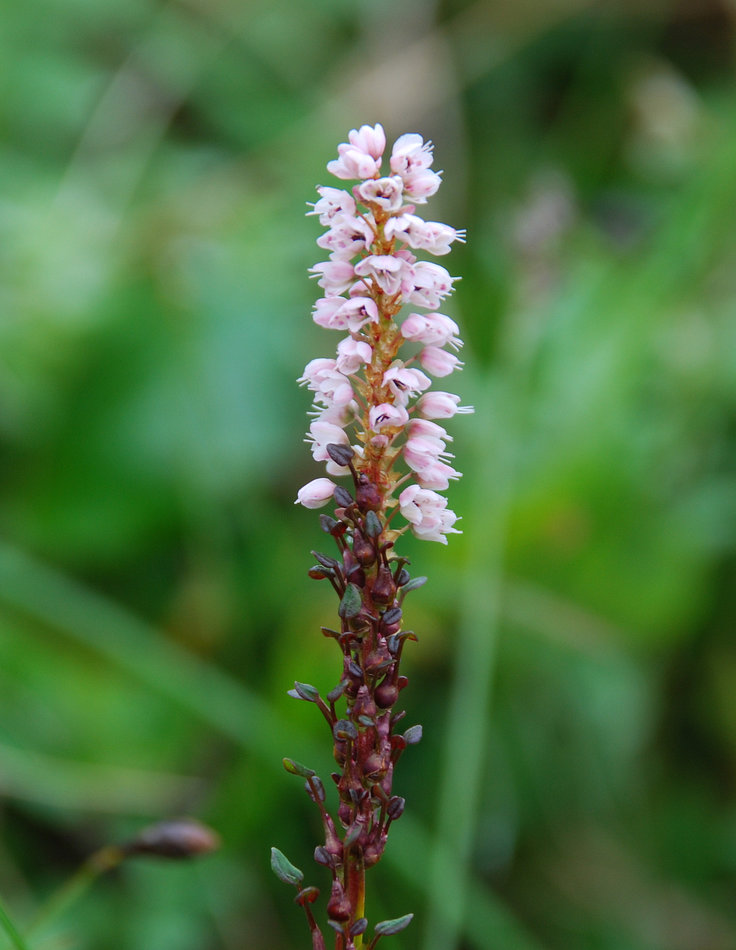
[(576, 664)]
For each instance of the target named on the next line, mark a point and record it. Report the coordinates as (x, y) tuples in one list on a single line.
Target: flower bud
[(338, 906), (315, 493), (396, 807), (386, 694), (177, 839), (384, 588), (363, 549), (368, 495)]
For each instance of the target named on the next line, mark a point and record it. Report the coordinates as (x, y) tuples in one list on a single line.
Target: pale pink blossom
[(436, 475), (422, 185), (418, 427), (315, 494), (440, 405), (410, 154), (358, 311), (432, 284), (428, 514), (430, 236), (327, 313), (340, 416), (330, 387), (404, 382), (387, 414), (423, 455), (387, 193), (352, 354), (385, 269), (347, 237), (321, 434), (365, 282), (432, 329), (424, 447), (315, 370), (332, 201), (371, 140), (439, 362), (353, 163), (337, 276)]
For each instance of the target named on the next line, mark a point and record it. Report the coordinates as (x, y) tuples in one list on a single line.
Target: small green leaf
[(284, 869), (388, 927), (413, 735), (342, 497), (344, 729), (351, 602), (373, 526), (306, 691), (336, 692), (414, 583), (327, 523), (296, 768)]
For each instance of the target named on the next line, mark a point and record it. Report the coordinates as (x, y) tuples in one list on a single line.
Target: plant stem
[(356, 890), (71, 890), (11, 930)]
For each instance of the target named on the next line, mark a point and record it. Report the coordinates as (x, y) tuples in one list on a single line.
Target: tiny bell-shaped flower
[(315, 494)]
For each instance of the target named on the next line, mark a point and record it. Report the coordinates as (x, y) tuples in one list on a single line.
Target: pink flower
[(329, 385), (358, 311), (352, 354), (321, 434), (372, 141), (431, 284), (353, 163), (437, 476), (316, 370), (316, 493), (347, 237), (373, 236), (405, 383), (384, 269), (428, 514), (440, 405), (386, 414), (327, 313), (433, 329), (337, 276), (422, 185), (425, 427), (420, 450), (386, 192), (438, 362), (430, 236), (332, 201), (410, 154)]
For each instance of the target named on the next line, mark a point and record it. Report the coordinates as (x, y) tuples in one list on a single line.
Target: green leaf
[(373, 526), (413, 735), (296, 768), (284, 869), (414, 583), (11, 930), (307, 691), (351, 602), (388, 927)]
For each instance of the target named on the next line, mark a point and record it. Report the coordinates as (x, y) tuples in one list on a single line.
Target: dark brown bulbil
[(365, 744)]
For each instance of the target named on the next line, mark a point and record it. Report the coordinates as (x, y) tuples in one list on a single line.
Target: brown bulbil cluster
[(371, 586)]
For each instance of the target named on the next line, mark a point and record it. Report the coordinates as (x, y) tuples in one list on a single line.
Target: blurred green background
[(576, 665)]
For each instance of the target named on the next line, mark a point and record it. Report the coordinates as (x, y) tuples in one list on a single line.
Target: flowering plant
[(374, 414)]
